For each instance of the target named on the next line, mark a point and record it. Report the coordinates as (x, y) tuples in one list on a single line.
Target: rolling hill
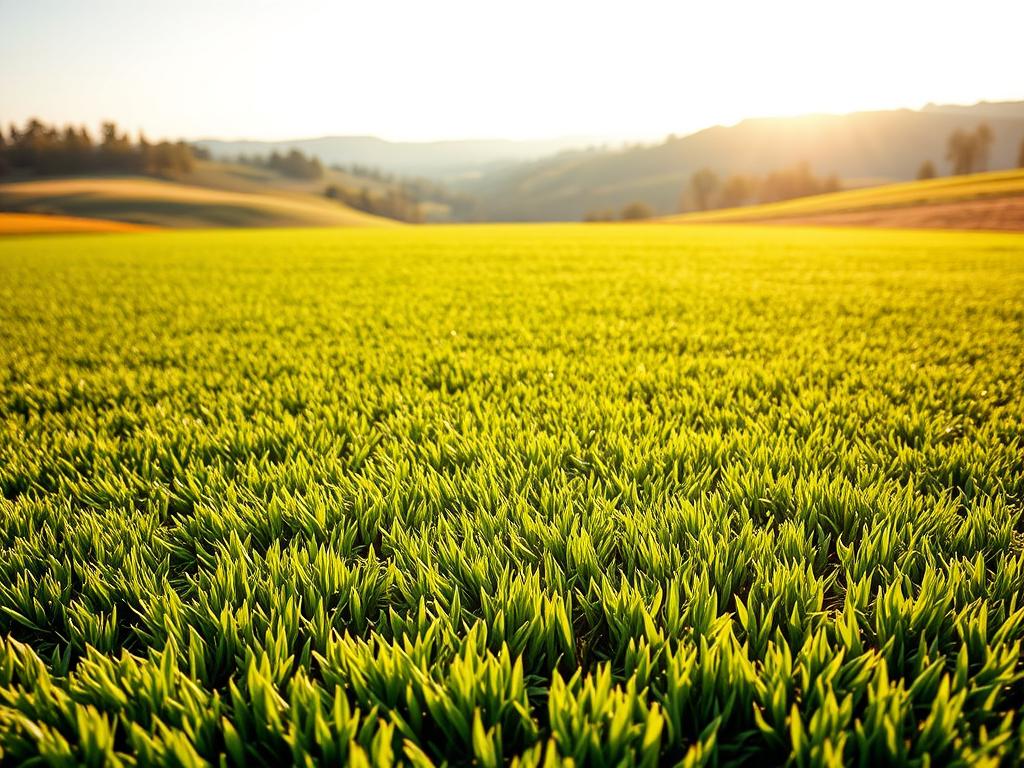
[(993, 200), (434, 204), (238, 177), (862, 148), (164, 203)]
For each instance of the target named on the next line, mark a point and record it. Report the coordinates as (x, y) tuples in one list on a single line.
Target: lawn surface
[(625, 494)]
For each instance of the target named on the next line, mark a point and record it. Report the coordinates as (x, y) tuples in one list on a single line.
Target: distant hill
[(863, 146), (993, 200), (485, 180), (162, 203), (437, 159)]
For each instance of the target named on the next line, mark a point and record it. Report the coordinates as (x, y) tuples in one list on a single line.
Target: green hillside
[(164, 203), (529, 496)]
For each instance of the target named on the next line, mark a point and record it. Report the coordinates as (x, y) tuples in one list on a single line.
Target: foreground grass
[(617, 494)]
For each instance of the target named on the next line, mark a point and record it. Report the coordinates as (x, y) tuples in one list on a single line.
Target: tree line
[(47, 149), (402, 199), (635, 211), (366, 172), (707, 190), (392, 202), (967, 152), (294, 164), (418, 189)]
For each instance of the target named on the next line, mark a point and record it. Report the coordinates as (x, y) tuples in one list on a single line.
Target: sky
[(453, 69)]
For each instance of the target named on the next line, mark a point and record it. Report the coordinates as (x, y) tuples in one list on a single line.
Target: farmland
[(993, 200), (483, 495)]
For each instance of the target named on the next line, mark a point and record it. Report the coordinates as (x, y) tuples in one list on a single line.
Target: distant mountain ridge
[(981, 109), (880, 146), (564, 179)]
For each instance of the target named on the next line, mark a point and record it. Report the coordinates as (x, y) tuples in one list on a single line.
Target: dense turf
[(620, 494)]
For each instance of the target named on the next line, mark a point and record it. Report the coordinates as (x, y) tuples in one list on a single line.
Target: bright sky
[(433, 69)]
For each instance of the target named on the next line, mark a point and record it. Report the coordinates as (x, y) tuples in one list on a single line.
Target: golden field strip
[(993, 200), (36, 224)]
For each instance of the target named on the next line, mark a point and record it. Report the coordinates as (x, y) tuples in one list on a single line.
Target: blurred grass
[(483, 495)]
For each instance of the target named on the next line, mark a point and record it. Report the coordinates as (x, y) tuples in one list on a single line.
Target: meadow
[(615, 495)]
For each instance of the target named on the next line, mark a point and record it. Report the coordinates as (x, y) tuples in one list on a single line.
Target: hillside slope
[(171, 204), (863, 146), (238, 177), (993, 200)]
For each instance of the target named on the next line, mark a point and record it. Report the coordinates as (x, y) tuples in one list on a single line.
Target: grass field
[(483, 495), (947, 192), (175, 205)]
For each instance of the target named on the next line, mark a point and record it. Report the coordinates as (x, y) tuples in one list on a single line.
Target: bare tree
[(926, 171)]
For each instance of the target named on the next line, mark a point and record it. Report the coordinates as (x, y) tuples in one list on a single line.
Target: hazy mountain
[(439, 159), (859, 147), (1009, 109), (563, 179)]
